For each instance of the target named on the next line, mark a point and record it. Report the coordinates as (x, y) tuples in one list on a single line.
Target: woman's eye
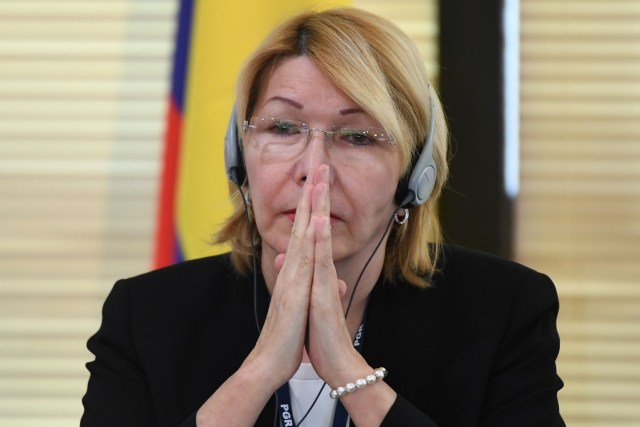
[(357, 137), (285, 128)]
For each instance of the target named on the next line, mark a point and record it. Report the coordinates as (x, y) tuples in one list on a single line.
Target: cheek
[(268, 189), (262, 191), (258, 177), (373, 186)]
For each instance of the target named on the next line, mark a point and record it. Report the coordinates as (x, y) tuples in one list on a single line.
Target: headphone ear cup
[(426, 183), (233, 160), (415, 188)]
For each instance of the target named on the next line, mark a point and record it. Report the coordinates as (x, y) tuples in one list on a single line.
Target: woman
[(335, 112)]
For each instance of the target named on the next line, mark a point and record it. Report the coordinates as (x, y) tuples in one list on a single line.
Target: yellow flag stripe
[(224, 34)]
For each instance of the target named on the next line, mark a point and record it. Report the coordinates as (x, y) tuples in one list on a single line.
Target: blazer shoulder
[(187, 290), (187, 275), (476, 271)]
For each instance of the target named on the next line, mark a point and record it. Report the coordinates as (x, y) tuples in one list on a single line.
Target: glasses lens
[(289, 136), (277, 134), (360, 136)]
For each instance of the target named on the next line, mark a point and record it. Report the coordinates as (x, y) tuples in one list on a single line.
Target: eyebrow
[(348, 111), (299, 106), (287, 101)]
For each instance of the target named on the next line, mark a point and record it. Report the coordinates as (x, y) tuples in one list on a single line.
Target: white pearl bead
[(378, 374)]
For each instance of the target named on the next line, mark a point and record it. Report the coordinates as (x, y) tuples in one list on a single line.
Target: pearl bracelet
[(378, 375)]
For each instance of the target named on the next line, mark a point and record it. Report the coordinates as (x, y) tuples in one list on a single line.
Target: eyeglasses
[(290, 135)]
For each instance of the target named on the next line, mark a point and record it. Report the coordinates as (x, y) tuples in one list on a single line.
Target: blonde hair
[(376, 65)]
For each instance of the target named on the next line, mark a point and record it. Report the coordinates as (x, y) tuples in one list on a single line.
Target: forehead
[(300, 83)]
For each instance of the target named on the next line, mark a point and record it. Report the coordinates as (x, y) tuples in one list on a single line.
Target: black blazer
[(478, 348)]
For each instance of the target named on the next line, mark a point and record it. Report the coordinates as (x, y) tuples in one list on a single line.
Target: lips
[(290, 214)]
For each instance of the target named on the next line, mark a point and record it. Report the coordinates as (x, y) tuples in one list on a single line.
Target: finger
[(303, 210), (300, 225), (297, 264), (322, 174), (324, 269), (320, 201), (320, 198), (325, 280), (327, 325), (324, 274), (296, 269)]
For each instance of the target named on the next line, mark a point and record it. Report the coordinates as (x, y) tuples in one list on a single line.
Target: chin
[(276, 246), (340, 253)]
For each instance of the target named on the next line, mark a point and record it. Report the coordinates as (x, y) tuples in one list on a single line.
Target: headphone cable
[(255, 259)]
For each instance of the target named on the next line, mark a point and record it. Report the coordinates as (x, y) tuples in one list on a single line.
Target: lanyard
[(285, 411)]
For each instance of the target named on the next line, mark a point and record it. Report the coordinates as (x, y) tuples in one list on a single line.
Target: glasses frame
[(305, 129)]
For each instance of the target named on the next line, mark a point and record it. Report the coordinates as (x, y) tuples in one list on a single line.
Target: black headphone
[(414, 189), (233, 160)]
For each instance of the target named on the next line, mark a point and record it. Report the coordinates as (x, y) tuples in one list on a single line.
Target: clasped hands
[(306, 309)]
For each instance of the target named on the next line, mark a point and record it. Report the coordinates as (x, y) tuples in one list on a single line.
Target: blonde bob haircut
[(376, 65)]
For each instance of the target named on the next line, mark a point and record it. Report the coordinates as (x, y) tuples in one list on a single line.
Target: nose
[(314, 154)]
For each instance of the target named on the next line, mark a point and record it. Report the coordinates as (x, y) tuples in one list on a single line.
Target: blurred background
[(543, 98)]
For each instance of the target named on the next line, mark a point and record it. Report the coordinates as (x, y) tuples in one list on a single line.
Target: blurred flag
[(212, 40)]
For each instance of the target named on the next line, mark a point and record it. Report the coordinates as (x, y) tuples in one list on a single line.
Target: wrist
[(260, 370), (351, 366), (368, 404), (377, 375)]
